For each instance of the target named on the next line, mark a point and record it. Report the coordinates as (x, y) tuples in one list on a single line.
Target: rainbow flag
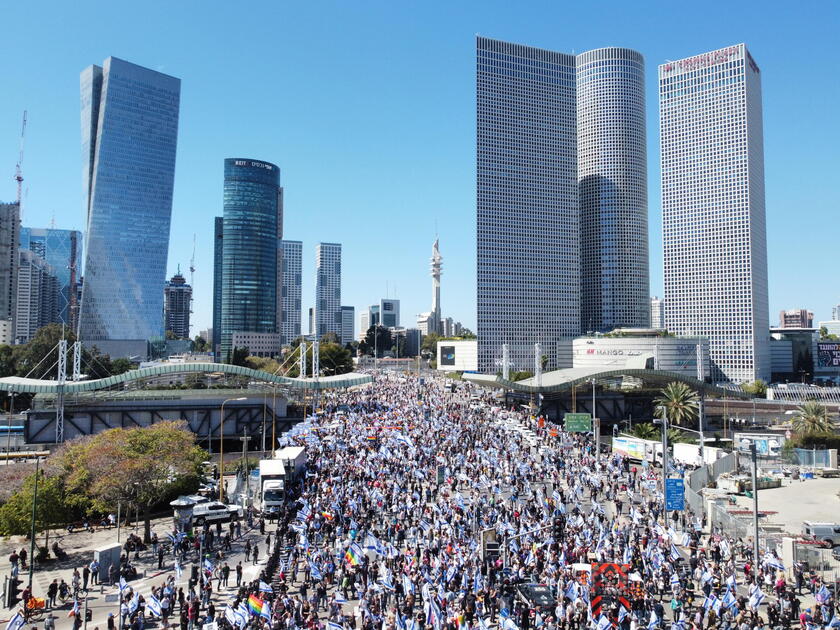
[(353, 557), (255, 604)]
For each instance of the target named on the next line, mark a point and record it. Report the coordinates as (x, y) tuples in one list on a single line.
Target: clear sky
[(369, 110)]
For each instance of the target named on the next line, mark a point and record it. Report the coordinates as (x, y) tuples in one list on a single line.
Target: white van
[(829, 532), (215, 512)]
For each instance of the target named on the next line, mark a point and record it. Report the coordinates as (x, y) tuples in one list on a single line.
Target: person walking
[(85, 576), (256, 553), (238, 574)]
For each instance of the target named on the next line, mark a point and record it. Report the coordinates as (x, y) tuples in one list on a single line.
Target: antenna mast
[(18, 172)]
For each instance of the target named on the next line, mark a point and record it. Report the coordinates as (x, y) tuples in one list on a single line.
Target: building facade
[(258, 344), (218, 268), (528, 231), (328, 289), (364, 323), (348, 324), (291, 253), (796, 318), (9, 240), (177, 300), (129, 139), (252, 223), (62, 249), (688, 356), (657, 312), (36, 303), (713, 214), (612, 179)]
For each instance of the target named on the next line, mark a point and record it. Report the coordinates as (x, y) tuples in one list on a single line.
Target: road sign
[(577, 422), (674, 494)]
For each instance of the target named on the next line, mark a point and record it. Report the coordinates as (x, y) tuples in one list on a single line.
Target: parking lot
[(798, 501)]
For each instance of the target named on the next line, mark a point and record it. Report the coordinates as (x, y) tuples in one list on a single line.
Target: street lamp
[(9, 428), (222, 447)]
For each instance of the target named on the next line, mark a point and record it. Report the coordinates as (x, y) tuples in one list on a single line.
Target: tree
[(429, 345), (377, 338), (239, 356), (51, 509), (678, 403), (169, 335), (812, 417), (334, 359), (264, 364), (121, 365), (649, 431), (824, 334), (200, 344), (136, 467), (466, 333), (329, 337), (757, 388)]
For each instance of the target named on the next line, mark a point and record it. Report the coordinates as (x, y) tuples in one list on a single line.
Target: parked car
[(538, 597), (215, 512), (828, 532)]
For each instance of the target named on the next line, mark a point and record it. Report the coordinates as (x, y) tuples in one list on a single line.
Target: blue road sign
[(674, 494)]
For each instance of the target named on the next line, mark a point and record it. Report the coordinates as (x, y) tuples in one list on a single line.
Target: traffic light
[(557, 529), (13, 592)]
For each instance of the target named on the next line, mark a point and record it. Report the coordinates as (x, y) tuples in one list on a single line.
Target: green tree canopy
[(51, 509), (679, 402), (757, 388), (812, 417), (377, 338), (429, 344)]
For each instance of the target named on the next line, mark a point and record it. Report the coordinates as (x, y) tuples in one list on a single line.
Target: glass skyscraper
[(129, 137), (328, 289), (713, 215), (612, 174), (62, 249), (253, 225), (218, 259), (528, 261), (292, 257)]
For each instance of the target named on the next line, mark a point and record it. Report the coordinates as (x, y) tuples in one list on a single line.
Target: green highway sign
[(577, 422)]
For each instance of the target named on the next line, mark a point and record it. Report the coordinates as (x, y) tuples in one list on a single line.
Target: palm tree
[(646, 431), (812, 417), (678, 402)]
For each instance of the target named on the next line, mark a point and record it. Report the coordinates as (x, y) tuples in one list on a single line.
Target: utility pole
[(32, 532), (754, 456), (664, 452)]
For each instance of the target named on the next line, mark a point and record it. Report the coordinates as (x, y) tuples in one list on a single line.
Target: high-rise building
[(364, 323), (835, 312), (36, 303), (292, 263), (796, 318), (177, 302), (311, 319), (528, 229), (218, 266), (253, 213), (612, 179), (9, 239), (61, 249), (657, 312), (328, 289), (348, 324), (129, 138), (713, 215)]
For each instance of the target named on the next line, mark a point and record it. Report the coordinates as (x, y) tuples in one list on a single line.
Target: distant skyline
[(368, 110)]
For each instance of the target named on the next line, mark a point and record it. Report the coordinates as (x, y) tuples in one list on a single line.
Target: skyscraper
[(253, 214), (61, 249), (129, 138), (657, 312), (612, 175), (177, 302), (36, 303), (528, 264), (292, 262), (218, 266), (328, 289), (348, 324), (9, 239), (713, 215)]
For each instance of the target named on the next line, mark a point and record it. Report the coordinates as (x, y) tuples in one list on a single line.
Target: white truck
[(689, 454), (638, 449), (277, 475)]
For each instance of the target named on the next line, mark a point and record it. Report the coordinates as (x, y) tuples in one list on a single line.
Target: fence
[(701, 477)]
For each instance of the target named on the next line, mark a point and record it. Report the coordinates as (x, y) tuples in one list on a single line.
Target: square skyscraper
[(129, 139)]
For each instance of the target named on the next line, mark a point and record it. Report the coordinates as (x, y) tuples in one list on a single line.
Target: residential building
[(328, 289), (177, 302), (253, 214), (218, 266), (796, 318), (36, 303), (291, 253), (259, 344), (425, 324), (311, 321), (657, 312), (612, 180), (713, 214), (61, 249), (9, 239), (129, 137), (348, 324), (528, 229), (206, 334)]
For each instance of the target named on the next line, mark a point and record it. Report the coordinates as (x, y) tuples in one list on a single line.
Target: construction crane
[(18, 172), (192, 274)]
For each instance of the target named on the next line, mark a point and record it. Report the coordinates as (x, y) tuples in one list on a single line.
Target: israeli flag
[(622, 614), (265, 588), (266, 610), (508, 624), (678, 625), (755, 599), (654, 621), (834, 623), (686, 539), (572, 591), (230, 616), (728, 599), (773, 561), (710, 602), (675, 579), (731, 582), (16, 623), (153, 606), (482, 624), (386, 581), (208, 566), (123, 585), (315, 572), (823, 594), (675, 554), (243, 612), (603, 622), (133, 604), (339, 599), (706, 577)]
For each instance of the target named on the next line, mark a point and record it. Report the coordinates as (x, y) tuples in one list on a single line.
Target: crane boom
[(18, 171)]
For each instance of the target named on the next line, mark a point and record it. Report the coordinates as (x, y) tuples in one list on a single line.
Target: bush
[(815, 440)]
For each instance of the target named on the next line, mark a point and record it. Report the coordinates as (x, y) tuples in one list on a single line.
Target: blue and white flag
[(134, 604), (509, 624), (572, 591), (654, 620), (834, 623), (16, 623), (153, 606), (123, 585), (315, 572), (265, 588), (387, 581), (622, 614), (266, 610), (408, 585), (773, 561), (710, 602), (755, 599), (603, 622), (731, 583), (331, 625), (482, 624), (339, 599), (678, 625), (208, 566), (675, 580), (675, 554), (230, 616), (728, 599), (706, 577), (242, 611), (178, 570), (823, 594)]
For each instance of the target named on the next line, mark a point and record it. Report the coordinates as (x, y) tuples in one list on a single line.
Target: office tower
[(36, 303), (129, 137), (328, 289), (528, 264), (612, 179), (311, 319), (796, 318), (218, 259), (177, 301), (364, 323), (61, 249), (835, 312), (292, 262), (657, 312), (348, 324), (9, 239), (252, 210), (715, 249)]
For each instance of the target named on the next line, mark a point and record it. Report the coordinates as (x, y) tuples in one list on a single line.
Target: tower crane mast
[(18, 171)]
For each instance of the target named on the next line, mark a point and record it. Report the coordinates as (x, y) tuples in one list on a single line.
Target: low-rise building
[(259, 344), (457, 355)]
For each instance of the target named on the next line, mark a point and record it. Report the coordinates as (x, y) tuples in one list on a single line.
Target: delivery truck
[(638, 449), (277, 477), (689, 454)]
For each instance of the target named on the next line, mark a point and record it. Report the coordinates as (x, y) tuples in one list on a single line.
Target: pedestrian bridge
[(19, 384)]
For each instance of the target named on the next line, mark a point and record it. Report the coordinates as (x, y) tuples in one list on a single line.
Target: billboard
[(447, 355), (828, 354)]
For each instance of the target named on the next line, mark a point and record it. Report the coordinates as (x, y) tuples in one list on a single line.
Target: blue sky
[(369, 110)]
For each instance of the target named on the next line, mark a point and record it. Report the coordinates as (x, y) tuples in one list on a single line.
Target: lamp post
[(9, 428), (274, 420), (222, 447), (32, 531)]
